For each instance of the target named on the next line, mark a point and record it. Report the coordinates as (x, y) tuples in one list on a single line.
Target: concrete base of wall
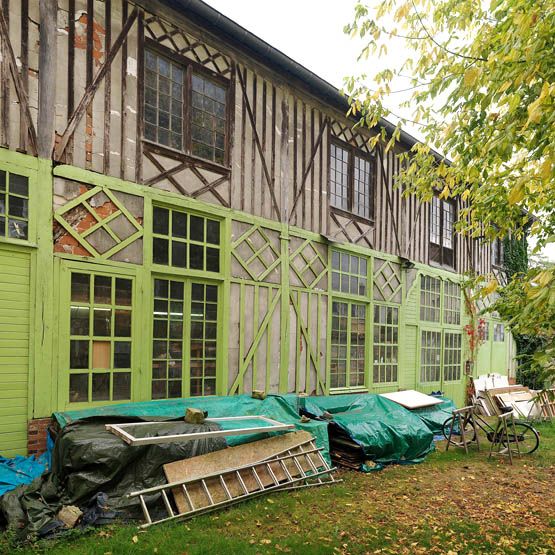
[(36, 435)]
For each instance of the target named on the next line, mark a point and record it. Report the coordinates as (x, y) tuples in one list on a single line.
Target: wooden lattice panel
[(345, 229), (387, 281), (256, 251), (99, 224), (184, 44), (308, 263), (183, 176), (346, 133)]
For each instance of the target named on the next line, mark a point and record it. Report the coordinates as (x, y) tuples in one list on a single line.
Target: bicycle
[(526, 435)]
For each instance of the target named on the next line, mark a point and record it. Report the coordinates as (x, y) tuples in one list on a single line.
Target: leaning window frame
[(120, 430), (369, 157), (189, 66)]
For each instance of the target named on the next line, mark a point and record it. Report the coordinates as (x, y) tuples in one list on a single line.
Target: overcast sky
[(311, 32)]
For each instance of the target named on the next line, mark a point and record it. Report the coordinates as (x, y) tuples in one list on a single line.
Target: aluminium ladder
[(298, 467)]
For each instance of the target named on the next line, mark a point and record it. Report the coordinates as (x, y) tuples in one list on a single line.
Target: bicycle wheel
[(528, 438), (456, 436)]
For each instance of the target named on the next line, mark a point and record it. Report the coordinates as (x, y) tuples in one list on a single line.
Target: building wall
[(278, 136), (91, 211)]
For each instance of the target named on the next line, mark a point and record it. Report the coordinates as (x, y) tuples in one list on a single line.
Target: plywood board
[(411, 399), (234, 457)]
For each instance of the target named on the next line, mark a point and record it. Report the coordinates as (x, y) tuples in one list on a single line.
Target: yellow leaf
[(489, 288), (543, 278), (471, 76), (445, 192), (535, 111), (135, 539), (545, 170), (517, 193), (402, 12), (465, 194), (504, 86)]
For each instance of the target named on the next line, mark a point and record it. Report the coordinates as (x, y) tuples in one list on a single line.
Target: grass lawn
[(453, 503)]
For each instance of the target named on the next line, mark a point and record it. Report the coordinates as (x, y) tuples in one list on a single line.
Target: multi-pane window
[(14, 205), (100, 338), (430, 356), (339, 176), (349, 273), (452, 356), (451, 303), (184, 112), (351, 180), (185, 240), (497, 252), (499, 332), (167, 340), (204, 318), (442, 242), (430, 299), (208, 119), (163, 101), (175, 322), (386, 343), (348, 340)]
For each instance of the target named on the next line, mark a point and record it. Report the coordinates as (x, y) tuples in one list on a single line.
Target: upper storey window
[(351, 180), (442, 239), (14, 200), (184, 109), (497, 252)]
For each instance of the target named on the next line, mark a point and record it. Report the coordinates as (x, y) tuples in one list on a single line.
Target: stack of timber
[(546, 403), (492, 394), (343, 450), (222, 478)]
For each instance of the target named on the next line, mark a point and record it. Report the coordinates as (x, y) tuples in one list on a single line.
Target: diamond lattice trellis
[(99, 222), (308, 264), (256, 253), (387, 281), (184, 44)]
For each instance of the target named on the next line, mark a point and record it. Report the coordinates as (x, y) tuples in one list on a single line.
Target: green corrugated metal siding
[(14, 349)]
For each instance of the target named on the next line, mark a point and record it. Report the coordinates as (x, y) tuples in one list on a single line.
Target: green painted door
[(14, 349)]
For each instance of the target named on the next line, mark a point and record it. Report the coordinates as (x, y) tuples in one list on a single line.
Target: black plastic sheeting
[(88, 461)]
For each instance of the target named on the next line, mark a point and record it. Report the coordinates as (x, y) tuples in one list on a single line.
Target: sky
[(311, 33)]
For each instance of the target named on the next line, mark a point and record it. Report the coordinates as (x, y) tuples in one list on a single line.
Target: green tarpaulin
[(386, 431), (283, 408)]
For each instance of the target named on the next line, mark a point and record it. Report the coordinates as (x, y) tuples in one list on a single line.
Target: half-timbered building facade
[(186, 211)]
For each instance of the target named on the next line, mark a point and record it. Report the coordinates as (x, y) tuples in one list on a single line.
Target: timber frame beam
[(93, 86), (18, 84)]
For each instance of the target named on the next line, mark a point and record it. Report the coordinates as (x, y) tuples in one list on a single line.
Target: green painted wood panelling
[(15, 326)]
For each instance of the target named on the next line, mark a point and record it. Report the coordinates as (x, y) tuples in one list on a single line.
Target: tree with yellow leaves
[(483, 93)]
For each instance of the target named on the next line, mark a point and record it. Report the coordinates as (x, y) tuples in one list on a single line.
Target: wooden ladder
[(298, 467)]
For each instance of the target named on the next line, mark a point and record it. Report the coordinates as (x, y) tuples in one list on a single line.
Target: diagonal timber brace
[(93, 87)]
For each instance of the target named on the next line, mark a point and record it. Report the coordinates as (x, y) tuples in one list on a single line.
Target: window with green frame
[(430, 298), (14, 205), (174, 323), (100, 338), (430, 356), (348, 344), (349, 273), (452, 356), (436, 363), (185, 240), (386, 344), (451, 303)]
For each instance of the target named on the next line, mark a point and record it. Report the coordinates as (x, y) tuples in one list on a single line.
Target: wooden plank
[(93, 86), (256, 138), (19, 89), (232, 457)]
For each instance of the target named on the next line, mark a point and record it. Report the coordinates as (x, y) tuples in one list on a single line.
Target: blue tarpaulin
[(20, 470)]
